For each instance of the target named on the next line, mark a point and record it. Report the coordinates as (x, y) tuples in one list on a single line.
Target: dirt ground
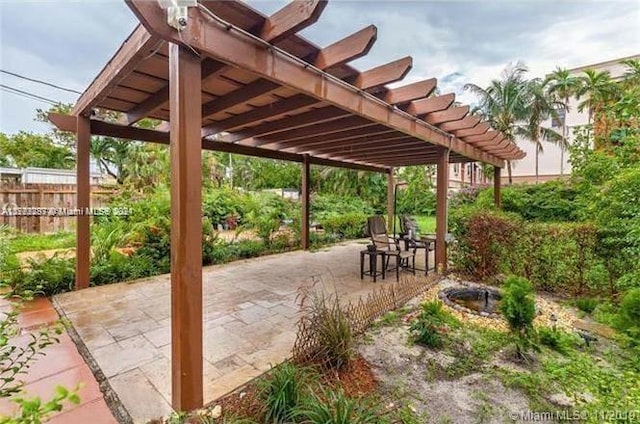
[(405, 373)]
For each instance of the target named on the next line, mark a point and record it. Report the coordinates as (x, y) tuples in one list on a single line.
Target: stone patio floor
[(250, 314)]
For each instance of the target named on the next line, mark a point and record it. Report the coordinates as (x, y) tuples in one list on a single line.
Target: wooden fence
[(308, 347), (40, 208)]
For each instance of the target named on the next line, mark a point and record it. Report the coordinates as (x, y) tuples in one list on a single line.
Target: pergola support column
[(391, 213), (304, 200), (497, 183), (186, 229), (442, 188), (83, 200)]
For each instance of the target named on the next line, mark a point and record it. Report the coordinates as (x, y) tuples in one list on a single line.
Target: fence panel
[(45, 196)]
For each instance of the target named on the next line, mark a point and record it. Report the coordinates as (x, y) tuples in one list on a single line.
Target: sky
[(68, 42)]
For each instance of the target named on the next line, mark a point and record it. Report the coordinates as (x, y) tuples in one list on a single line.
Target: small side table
[(373, 263)]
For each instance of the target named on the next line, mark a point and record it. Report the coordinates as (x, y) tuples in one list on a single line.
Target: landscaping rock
[(561, 400)]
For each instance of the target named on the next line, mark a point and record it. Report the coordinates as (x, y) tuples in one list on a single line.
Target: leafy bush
[(350, 225), (282, 391), (334, 407), (466, 196), (557, 340), (552, 201), (219, 204), (519, 309), (630, 314), (587, 304), (325, 206), (431, 324), (42, 277)]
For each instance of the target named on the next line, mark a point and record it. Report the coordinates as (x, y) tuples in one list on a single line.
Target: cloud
[(68, 43)]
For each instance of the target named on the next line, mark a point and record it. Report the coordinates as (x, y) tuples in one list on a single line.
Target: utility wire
[(27, 94), (70, 90)]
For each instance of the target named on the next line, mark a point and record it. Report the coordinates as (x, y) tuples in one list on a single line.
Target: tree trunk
[(564, 137), (537, 162), (509, 172)]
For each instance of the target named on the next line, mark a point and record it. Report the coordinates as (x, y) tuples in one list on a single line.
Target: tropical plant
[(564, 85), (598, 88), (519, 309), (503, 102), (282, 390), (329, 327), (540, 106), (334, 407)]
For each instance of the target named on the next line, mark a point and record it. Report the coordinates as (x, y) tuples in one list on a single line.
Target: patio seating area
[(250, 314)]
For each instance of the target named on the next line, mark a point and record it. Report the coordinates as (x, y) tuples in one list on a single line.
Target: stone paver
[(250, 316)]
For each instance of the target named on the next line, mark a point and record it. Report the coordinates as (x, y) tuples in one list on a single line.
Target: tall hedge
[(558, 257)]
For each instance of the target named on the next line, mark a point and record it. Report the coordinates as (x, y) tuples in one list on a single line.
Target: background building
[(550, 165)]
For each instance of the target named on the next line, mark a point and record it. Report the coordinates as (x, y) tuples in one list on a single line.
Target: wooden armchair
[(404, 258)]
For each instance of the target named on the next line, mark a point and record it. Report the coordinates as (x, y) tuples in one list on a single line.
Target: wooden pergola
[(234, 80)]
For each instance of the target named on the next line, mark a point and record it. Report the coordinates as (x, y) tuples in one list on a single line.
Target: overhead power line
[(27, 94), (70, 90)]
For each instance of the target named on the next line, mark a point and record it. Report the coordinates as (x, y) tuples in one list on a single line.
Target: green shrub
[(350, 225), (518, 308), (42, 277), (587, 304), (334, 407), (630, 313), (552, 201), (118, 267), (430, 326), (557, 257), (557, 340), (282, 390), (325, 206)]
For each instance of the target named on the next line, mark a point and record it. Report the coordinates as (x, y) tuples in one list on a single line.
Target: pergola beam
[(349, 48), (430, 104), (384, 74), (334, 126), (261, 113), (140, 44), (488, 136), (225, 43), (83, 202), (292, 18), (410, 92), (468, 121), (479, 129), (68, 123), (336, 138), (314, 116), (451, 114), (327, 147)]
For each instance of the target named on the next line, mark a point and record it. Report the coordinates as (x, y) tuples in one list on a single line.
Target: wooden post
[(83, 200), (442, 188), (390, 201), (304, 199), (186, 229), (497, 183)]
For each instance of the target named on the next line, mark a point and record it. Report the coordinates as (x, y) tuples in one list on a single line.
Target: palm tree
[(632, 75), (598, 87), (564, 85), (540, 106), (503, 102)]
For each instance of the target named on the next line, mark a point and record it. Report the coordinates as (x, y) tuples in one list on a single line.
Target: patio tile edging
[(110, 396)]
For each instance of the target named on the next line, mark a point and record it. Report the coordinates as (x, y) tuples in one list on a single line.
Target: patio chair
[(410, 234), (406, 259)]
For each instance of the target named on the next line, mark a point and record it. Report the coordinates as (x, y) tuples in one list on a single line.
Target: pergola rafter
[(234, 80)]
